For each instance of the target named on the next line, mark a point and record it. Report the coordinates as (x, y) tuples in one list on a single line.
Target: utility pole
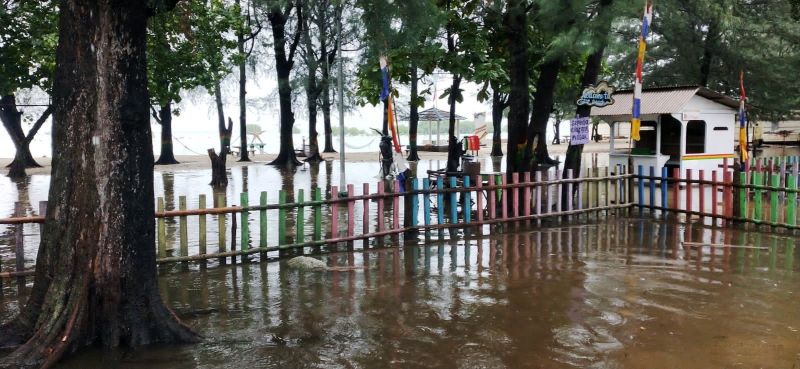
[(342, 180)]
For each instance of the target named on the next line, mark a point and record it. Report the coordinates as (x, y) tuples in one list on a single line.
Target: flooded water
[(616, 293)]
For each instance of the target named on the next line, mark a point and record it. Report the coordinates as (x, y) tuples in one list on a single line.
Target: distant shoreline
[(200, 162)]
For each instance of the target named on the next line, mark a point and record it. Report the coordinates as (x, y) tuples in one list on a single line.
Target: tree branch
[(155, 114), (298, 32), (38, 124)]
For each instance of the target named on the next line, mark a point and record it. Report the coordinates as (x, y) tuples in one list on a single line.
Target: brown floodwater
[(607, 293)]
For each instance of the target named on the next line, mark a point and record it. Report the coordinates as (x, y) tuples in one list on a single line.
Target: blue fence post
[(467, 206), (664, 189), (440, 200), (641, 189), (453, 201), (414, 202), (652, 189)]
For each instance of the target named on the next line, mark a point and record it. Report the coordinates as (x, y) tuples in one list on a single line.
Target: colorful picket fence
[(380, 210)]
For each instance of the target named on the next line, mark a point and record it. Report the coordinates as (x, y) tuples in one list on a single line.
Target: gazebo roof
[(661, 100), (434, 114)]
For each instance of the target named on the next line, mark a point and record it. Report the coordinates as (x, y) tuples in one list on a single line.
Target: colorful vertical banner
[(742, 119), (636, 122)]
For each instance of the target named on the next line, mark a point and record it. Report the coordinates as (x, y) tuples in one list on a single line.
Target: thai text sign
[(579, 131), (599, 96)]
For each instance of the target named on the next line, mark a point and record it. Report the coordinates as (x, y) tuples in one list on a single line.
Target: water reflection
[(623, 293)]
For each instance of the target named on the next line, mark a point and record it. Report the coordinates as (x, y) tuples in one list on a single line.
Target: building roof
[(661, 100), (434, 115)]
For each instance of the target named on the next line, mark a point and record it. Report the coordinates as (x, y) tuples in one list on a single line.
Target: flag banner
[(384, 78), (637, 87), (392, 129), (742, 119)]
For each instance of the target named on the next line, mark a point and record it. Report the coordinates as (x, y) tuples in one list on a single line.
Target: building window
[(696, 137)]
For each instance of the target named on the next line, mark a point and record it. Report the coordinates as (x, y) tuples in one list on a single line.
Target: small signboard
[(579, 131), (599, 96)]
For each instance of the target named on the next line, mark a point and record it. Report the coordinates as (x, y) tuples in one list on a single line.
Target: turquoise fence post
[(426, 203), (467, 207), (453, 202), (440, 200), (414, 201)]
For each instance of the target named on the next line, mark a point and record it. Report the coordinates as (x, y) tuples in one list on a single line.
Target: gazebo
[(435, 115)]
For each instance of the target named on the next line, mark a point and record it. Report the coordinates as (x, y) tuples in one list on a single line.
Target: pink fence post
[(381, 226), (396, 206), (334, 212), (515, 195), (676, 189), (558, 192), (526, 206), (351, 218), (701, 194), (728, 194), (537, 177), (492, 191), (365, 221), (689, 192), (504, 200), (714, 188)]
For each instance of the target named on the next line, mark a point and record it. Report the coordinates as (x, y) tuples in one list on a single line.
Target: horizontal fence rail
[(389, 208)]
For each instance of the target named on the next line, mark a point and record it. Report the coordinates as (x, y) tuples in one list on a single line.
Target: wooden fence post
[(245, 217), (162, 230), (201, 236), (300, 218), (221, 203), (184, 233), (262, 221)]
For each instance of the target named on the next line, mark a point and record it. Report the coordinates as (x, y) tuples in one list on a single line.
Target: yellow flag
[(743, 143), (635, 124)]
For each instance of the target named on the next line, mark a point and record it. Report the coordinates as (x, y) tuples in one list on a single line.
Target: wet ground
[(612, 293)]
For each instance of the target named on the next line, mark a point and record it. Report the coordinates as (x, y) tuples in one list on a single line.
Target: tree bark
[(312, 93), (167, 155), (219, 175), (326, 106), (590, 75), (517, 23), (413, 118), (283, 68), (11, 118), (543, 99), (95, 280), (454, 151), (708, 53), (243, 153), (499, 104)]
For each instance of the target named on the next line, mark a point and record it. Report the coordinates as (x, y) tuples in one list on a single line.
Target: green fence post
[(757, 201), (262, 220), (743, 195), (776, 182), (300, 223), (281, 218)]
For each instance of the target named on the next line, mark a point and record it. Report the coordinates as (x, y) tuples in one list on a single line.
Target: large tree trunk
[(167, 155), (283, 68), (219, 175), (313, 140), (498, 105), (326, 109), (243, 153), (590, 75), (542, 108), (517, 23), (95, 280), (708, 53), (454, 151), (413, 117), (12, 121)]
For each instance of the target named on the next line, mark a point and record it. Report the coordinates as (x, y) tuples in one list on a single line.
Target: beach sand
[(195, 162)]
